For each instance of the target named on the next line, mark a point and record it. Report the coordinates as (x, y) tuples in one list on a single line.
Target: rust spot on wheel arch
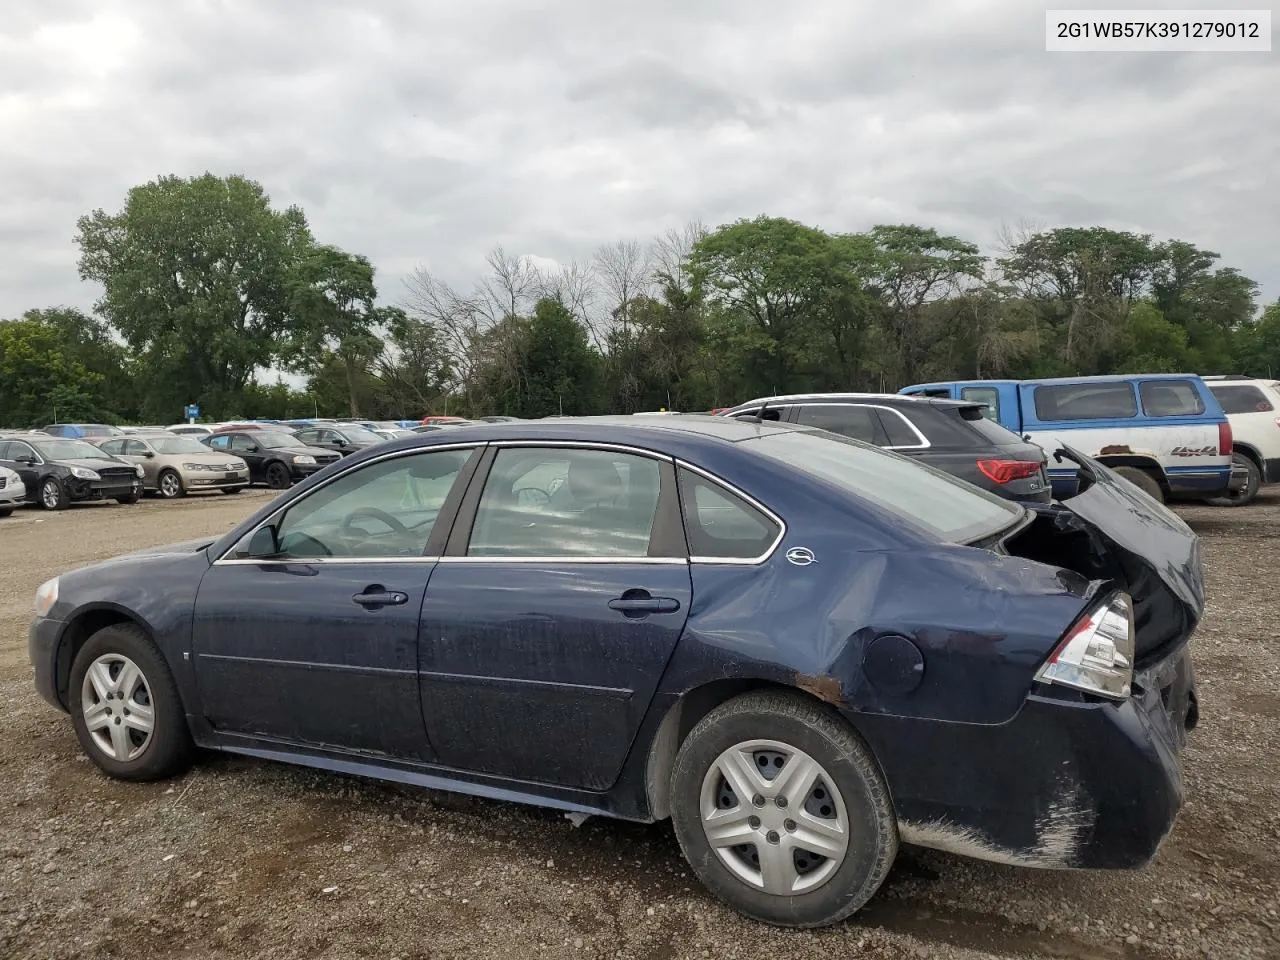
[(1115, 450), (824, 688)]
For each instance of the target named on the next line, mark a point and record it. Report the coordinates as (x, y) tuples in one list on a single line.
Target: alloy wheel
[(170, 485), (116, 702), (774, 817), (50, 494)]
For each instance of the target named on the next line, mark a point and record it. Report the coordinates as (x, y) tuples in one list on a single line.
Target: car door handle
[(642, 606), (377, 597)]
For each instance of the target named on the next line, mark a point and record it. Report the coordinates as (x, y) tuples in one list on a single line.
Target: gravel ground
[(248, 859)]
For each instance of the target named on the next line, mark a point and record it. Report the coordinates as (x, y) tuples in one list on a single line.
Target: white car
[(12, 491), (1253, 407), (190, 430)]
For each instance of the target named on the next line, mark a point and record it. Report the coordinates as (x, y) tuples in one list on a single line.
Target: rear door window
[(1241, 398), (853, 420), (567, 503), (1170, 398), (1085, 401)]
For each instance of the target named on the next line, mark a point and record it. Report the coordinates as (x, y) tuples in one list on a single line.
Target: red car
[(432, 420)]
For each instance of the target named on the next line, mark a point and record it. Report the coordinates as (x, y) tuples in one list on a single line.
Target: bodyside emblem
[(801, 556)]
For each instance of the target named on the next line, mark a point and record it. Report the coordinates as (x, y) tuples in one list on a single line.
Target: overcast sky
[(425, 131)]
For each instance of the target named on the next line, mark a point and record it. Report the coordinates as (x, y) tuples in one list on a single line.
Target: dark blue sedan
[(800, 648)]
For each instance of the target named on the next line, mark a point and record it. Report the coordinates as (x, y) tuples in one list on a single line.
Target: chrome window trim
[(735, 491), (586, 445), (433, 448), (924, 443), (662, 561)]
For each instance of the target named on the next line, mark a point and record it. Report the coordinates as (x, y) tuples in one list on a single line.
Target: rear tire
[(1143, 481), (843, 802), (1252, 484), (129, 672)]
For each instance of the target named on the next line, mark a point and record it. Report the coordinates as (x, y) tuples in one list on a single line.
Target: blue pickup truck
[(1166, 433)]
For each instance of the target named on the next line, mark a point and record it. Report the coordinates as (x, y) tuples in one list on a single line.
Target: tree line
[(205, 286)]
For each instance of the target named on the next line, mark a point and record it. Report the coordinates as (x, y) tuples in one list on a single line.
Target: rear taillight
[(1224, 439), (1002, 471), (1096, 655)]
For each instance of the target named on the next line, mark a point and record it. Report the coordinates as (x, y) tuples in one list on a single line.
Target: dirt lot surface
[(248, 859)]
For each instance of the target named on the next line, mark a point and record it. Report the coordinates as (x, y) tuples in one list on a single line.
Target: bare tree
[(668, 252), (625, 273), (574, 284), (512, 285)]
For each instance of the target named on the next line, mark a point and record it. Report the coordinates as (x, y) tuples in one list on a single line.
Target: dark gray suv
[(951, 435)]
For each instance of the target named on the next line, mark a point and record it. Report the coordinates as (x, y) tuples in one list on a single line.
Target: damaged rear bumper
[(1067, 783)]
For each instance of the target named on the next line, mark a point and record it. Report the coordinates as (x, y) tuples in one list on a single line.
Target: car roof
[(1097, 378), (881, 398)]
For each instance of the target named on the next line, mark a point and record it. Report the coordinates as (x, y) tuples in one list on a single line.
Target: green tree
[(776, 291), (414, 364), (562, 371), (1084, 281), (331, 296), (41, 380), (1258, 345), (913, 267), (195, 279)]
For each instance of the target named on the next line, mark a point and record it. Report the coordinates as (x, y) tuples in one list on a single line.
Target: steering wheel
[(396, 527)]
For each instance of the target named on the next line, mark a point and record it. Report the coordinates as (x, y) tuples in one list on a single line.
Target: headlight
[(85, 474), (137, 468), (46, 597), (1096, 655), (303, 458)]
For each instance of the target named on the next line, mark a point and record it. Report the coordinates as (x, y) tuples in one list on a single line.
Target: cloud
[(424, 133)]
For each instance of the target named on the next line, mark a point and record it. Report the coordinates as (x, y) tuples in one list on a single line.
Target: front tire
[(231, 490), (279, 477), (169, 485), (1143, 481), (781, 810), (5, 512), (125, 706), (53, 495), (1253, 483)]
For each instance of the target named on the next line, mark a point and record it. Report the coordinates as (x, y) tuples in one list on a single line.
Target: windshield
[(173, 445), (69, 450), (278, 441), (361, 435), (950, 509)]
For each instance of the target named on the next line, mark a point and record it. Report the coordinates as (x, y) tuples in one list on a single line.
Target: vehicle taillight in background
[(1003, 471), (1224, 439)]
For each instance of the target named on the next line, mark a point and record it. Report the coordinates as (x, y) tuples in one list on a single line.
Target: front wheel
[(125, 706), (5, 511), (53, 495), (169, 485), (129, 499), (781, 810), (231, 490), (278, 477), (1247, 493)]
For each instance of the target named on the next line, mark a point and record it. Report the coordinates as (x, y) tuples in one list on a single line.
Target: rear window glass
[(1170, 398), (1242, 398), (847, 419), (989, 397), (991, 432), (1085, 401), (721, 524), (948, 509)]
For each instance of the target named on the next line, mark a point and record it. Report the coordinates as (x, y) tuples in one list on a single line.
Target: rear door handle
[(642, 606), (380, 598)]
